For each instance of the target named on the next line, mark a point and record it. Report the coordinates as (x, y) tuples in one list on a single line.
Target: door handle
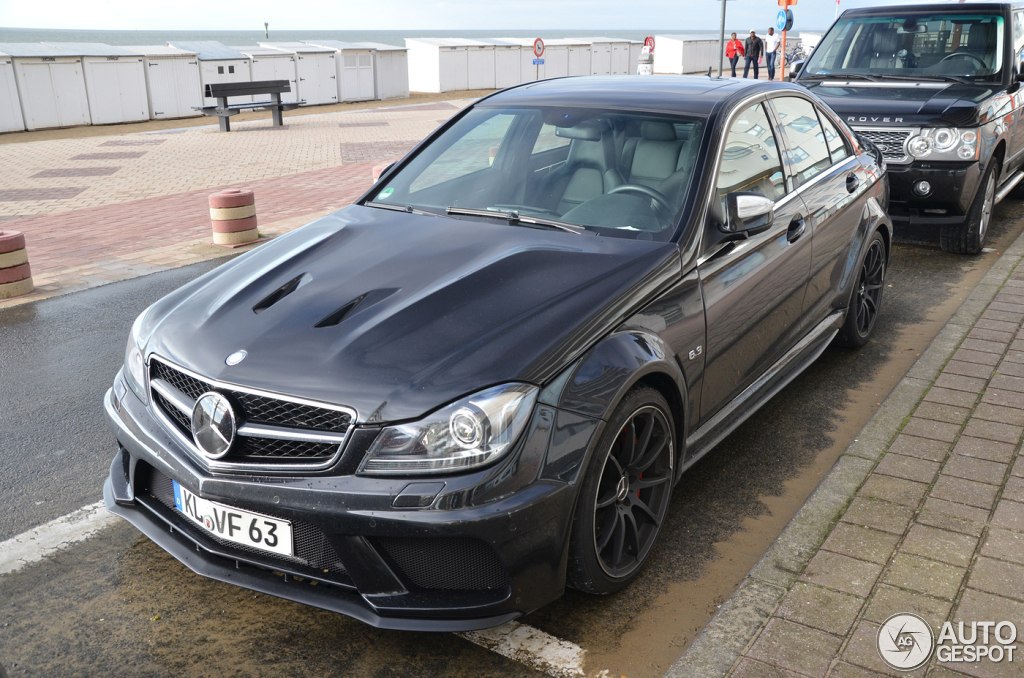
[(852, 182), (796, 229)]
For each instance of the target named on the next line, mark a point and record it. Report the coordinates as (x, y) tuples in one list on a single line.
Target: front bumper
[(475, 555), (953, 187)]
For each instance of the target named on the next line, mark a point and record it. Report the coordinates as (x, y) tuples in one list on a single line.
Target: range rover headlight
[(919, 146), (135, 362), (469, 433), (944, 143), (945, 138)]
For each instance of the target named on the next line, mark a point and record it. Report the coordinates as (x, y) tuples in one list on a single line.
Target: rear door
[(823, 170), (753, 288)]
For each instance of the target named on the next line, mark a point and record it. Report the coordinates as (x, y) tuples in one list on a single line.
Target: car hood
[(888, 104), (396, 314)]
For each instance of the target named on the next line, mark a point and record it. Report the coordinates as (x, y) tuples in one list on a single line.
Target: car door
[(753, 287), (828, 177)]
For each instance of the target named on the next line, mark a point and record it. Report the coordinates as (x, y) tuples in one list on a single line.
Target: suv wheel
[(969, 237), (625, 495)]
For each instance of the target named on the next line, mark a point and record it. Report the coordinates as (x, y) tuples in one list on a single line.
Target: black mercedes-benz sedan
[(437, 407)]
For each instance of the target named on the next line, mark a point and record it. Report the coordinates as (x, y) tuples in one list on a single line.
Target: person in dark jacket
[(733, 52), (753, 50)]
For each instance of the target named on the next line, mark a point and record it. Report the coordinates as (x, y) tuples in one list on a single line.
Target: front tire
[(969, 237), (866, 300), (625, 495)]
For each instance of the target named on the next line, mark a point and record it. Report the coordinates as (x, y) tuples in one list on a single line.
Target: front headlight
[(135, 362), (944, 143), (469, 433)]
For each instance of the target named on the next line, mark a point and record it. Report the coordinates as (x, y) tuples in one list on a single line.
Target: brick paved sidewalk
[(935, 528), (100, 209)]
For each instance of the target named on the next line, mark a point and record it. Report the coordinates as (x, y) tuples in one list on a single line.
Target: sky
[(649, 15)]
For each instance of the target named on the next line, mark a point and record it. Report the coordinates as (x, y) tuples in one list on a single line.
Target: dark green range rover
[(937, 87)]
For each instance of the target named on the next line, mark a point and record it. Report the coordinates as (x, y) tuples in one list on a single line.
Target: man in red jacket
[(733, 51)]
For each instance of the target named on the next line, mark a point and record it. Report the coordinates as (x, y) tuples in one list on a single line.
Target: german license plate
[(234, 524)]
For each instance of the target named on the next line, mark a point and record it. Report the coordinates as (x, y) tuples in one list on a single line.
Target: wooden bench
[(224, 90)]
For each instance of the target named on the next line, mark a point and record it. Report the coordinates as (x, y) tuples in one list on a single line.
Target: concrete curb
[(740, 619)]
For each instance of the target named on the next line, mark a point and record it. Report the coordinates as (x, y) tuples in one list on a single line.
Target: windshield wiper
[(408, 209), (843, 76), (514, 218), (926, 77)]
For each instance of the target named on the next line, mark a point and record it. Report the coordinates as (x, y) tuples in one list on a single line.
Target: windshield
[(925, 46), (623, 174)]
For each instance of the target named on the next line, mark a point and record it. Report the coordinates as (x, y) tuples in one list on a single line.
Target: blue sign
[(784, 20), (538, 62)]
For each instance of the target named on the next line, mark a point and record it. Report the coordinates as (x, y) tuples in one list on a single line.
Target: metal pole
[(721, 42)]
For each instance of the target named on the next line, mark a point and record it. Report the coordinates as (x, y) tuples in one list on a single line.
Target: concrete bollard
[(233, 216), (15, 274)]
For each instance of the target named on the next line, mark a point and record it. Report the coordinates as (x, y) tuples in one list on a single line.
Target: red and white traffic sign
[(538, 48), (649, 42)]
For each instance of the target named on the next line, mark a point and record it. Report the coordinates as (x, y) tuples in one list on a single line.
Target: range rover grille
[(891, 142)]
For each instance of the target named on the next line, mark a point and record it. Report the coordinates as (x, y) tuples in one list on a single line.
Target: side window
[(807, 152), (834, 140), (750, 158), (473, 152)]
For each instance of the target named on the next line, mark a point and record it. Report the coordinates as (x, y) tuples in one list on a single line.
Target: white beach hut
[(635, 49), (356, 69), (11, 119), (391, 71), (678, 54), (578, 54), (267, 63), (508, 63), (556, 60), (600, 55), (450, 64), (115, 81), (172, 81), (218, 63), (317, 70), (51, 82), (370, 70)]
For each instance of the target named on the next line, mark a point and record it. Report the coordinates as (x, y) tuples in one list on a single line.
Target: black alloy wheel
[(862, 313), (625, 496)]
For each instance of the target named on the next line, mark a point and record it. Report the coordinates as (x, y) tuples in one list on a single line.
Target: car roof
[(678, 94), (946, 7)]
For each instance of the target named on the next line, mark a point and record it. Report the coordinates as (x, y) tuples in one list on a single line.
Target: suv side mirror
[(748, 213), (795, 67)]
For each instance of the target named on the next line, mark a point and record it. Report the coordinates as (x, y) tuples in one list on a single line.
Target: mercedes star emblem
[(235, 358), (213, 425)]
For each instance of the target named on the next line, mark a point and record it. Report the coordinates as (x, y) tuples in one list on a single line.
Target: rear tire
[(866, 300), (625, 495), (969, 237)]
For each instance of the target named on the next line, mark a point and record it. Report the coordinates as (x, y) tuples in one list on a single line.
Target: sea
[(158, 37)]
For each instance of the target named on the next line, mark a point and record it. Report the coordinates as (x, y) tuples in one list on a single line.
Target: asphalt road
[(117, 603)]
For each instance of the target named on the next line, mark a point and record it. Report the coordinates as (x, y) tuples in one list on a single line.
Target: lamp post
[(721, 41)]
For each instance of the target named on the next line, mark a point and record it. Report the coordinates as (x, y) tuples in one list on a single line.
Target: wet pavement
[(118, 604)]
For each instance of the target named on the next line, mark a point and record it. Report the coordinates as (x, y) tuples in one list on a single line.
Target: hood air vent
[(280, 293), (365, 300)]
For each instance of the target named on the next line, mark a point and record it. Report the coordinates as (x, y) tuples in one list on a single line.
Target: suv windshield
[(940, 46), (615, 173)]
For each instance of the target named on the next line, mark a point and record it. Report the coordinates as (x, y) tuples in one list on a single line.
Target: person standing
[(771, 50), (753, 50), (733, 51)]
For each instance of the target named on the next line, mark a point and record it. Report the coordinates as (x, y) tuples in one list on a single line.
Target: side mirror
[(380, 170), (748, 213), (795, 67)]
